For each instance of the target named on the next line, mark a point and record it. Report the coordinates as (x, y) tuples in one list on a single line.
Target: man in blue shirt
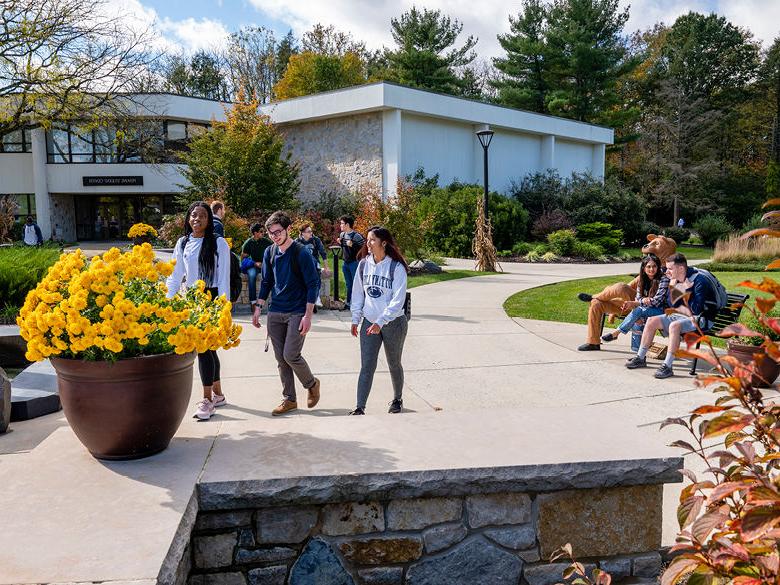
[(289, 271), (683, 281)]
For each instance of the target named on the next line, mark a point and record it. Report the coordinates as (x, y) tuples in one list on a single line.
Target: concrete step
[(34, 392)]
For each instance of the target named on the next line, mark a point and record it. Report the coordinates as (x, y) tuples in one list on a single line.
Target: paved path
[(468, 367)]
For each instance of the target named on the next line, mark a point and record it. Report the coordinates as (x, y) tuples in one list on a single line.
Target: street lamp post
[(485, 135)]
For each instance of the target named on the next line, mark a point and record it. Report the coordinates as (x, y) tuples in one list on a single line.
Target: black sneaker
[(357, 411), (664, 372), (636, 362), (607, 337), (396, 406), (589, 347), (585, 297)]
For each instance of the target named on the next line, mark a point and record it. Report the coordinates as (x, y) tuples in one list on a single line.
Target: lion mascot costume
[(610, 300)]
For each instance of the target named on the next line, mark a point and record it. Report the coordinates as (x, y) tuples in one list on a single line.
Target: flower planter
[(128, 409), (766, 371), (140, 240)]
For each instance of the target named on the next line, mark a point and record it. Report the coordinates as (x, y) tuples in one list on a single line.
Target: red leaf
[(747, 450), (728, 422), (703, 526), (724, 490), (763, 496), (683, 445), (745, 580), (738, 329), (766, 305), (709, 408), (689, 474), (701, 354), (689, 510), (758, 521), (677, 569)]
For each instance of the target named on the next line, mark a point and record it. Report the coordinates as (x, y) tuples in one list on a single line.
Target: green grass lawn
[(558, 302), (690, 252)]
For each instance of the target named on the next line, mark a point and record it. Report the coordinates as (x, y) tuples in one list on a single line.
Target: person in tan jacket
[(610, 301)]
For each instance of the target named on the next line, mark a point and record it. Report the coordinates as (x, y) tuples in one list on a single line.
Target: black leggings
[(208, 362)]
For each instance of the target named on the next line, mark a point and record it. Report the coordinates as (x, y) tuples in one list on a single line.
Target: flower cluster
[(139, 230), (114, 307)]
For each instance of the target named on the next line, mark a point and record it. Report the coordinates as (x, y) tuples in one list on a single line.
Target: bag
[(236, 283), (719, 297), (246, 264), (296, 267), (407, 300)]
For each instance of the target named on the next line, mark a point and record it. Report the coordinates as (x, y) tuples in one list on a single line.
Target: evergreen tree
[(288, 47), (525, 67), (426, 55), (587, 56), (206, 77)]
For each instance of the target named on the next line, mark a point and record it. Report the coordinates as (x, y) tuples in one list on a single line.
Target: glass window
[(13, 142), (57, 145), (176, 131), (105, 144), (81, 143)]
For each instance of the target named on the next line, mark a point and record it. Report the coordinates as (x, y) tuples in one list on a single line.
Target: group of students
[(691, 293), (376, 273)]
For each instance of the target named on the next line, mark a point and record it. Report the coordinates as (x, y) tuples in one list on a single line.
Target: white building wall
[(16, 173), (511, 156), (573, 157), (68, 178), (438, 146)]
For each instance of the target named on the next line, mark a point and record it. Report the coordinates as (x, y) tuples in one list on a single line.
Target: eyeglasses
[(276, 233)]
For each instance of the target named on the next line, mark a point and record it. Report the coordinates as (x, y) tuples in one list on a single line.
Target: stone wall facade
[(63, 217), (338, 155), (491, 539)]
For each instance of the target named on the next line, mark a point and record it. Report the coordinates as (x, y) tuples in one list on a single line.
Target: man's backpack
[(407, 300), (295, 249), (718, 297), (235, 278)]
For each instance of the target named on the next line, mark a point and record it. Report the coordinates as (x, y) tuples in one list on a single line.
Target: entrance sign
[(127, 181)]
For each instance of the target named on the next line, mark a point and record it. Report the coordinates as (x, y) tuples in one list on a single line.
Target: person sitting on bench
[(685, 319), (650, 296)]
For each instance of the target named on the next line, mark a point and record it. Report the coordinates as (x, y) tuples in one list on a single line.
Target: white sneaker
[(218, 400), (205, 409)]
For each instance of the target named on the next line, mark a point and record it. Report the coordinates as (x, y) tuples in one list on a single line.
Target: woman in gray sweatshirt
[(378, 296)]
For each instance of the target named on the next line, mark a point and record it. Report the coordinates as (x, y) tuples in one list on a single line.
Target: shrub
[(602, 234), (522, 248), (679, 235), (711, 228), (736, 250), (550, 222), (754, 222), (8, 207), (21, 268), (533, 256), (587, 251), (540, 193), (550, 257), (452, 213), (504, 253), (562, 242), (541, 249)]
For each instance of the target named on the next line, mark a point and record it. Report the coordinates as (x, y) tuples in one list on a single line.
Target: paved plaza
[(481, 390)]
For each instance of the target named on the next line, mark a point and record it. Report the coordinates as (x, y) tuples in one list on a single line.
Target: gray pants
[(288, 343), (392, 336)]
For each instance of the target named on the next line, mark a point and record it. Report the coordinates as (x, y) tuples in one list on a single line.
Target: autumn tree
[(65, 60), (309, 73), (243, 160), (200, 75)]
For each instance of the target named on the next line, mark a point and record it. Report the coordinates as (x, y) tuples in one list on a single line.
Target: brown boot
[(284, 407), (314, 394)]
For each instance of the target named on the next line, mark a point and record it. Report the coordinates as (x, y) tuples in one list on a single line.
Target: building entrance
[(109, 217)]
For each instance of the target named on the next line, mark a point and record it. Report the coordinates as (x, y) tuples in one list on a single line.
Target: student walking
[(351, 243), (313, 244), (218, 212), (289, 271), (254, 248), (201, 255), (32, 233), (378, 319)]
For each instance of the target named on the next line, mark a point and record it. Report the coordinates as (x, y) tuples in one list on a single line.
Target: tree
[(525, 83), (287, 48), (200, 77), (587, 56), (65, 60), (309, 73), (242, 161), (770, 77), (426, 55), (326, 40), (251, 59)]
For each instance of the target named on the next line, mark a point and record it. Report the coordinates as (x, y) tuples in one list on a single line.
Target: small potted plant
[(141, 233), (122, 351), (749, 348)]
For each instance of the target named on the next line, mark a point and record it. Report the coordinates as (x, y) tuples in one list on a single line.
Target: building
[(84, 184)]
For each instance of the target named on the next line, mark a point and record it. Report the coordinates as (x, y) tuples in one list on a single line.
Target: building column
[(599, 160), (40, 183), (391, 151), (548, 153)]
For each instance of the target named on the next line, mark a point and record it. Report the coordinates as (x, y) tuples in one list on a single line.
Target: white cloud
[(193, 35), (761, 17), (644, 14)]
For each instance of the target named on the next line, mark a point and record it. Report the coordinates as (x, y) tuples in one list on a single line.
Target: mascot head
[(661, 246)]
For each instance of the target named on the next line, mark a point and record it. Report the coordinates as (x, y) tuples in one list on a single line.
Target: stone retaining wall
[(483, 538)]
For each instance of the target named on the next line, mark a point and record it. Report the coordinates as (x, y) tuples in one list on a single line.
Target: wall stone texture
[(490, 539), (63, 217), (339, 155)]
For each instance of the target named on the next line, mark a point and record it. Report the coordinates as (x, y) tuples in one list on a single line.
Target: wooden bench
[(728, 315)]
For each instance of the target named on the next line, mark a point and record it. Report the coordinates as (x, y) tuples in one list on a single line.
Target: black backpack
[(393, 265), (296, 267), (236, 284)]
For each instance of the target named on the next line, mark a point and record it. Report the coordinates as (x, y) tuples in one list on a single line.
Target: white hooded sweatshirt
[(372, 296)]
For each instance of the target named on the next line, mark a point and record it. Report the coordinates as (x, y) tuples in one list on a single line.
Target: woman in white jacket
[(201, 255), (378, 296)]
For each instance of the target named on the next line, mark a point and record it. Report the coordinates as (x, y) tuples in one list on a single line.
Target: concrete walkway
[(468, 367)]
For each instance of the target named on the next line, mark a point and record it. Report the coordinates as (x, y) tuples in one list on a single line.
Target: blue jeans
[(349, 269), (637, 314), (251, 276)]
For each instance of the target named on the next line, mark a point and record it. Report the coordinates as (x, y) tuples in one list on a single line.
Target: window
[(26, 206), (106, 145), (81, 146), (57, 145), (17, 141)]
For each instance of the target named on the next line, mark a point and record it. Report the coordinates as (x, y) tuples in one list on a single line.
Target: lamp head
[(485, 135)]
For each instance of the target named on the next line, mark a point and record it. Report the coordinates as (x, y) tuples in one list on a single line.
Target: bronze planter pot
[(139, 240), (766, 371), (129, 409)]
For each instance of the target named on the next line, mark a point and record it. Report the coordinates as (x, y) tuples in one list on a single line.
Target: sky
[(202, 24)]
